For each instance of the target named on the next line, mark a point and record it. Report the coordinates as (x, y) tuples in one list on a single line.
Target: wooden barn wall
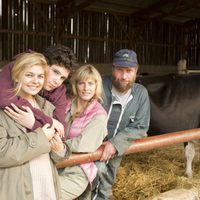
[(24, 26), (192, 42), (94, 36)]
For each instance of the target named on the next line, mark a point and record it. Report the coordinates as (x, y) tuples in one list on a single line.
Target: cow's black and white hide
[(175, 106)]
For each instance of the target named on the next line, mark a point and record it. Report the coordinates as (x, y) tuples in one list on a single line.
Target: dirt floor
[(146, 174)]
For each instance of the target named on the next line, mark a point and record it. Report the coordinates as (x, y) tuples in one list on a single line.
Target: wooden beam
[(179, 6)]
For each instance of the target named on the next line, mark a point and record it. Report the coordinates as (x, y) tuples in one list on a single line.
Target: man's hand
[(59, 127), (108, 152), (49, 131), (23, 117)]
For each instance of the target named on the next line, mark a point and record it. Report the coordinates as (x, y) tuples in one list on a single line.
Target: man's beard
[(122, 87)]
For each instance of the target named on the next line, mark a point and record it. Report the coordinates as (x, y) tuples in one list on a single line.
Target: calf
[(175, 106)]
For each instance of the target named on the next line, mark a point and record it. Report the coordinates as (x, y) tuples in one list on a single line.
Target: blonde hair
[(87, 72), (23, 62)]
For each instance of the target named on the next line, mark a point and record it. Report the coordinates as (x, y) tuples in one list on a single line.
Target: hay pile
[(146, 174)]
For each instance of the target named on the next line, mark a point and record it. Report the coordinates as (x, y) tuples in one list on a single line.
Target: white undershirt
[(121, 97), (42, 178)]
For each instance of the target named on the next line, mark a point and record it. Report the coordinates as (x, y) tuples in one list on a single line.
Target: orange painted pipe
[(138, 145)]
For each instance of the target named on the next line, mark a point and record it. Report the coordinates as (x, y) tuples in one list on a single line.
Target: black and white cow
[(175, 106)]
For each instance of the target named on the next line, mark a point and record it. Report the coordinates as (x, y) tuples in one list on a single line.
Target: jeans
[(106, 178)]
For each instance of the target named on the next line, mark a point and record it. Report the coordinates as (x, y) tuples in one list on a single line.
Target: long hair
[(23, 62), (87, 72)]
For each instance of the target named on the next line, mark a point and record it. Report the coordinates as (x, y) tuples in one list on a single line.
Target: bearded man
[(128, 108)]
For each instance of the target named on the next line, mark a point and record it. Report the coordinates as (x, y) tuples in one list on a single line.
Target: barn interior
[(162, 32)]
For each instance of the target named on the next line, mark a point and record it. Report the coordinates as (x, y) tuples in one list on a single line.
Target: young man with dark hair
[(62, 62)]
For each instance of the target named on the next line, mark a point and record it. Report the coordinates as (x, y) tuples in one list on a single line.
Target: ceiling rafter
[(177, 7), (191, 3), (175, 11), (116, 3), (144, 13), (67, 7), (139, 27)]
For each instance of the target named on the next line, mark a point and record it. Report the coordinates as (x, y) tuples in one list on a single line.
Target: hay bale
[(147, 174)]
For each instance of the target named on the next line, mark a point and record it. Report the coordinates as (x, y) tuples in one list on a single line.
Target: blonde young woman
[(26, 169), (87, 121)]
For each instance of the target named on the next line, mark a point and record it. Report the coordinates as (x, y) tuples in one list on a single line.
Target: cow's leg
[(189, 154)]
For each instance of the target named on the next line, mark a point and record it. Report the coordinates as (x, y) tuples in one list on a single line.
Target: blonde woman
[(26, 169), (87, 121)]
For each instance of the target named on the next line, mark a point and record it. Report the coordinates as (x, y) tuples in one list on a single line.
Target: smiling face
[(86, 89), (123, 77), (31, 81), (56, 76), (29, 73)]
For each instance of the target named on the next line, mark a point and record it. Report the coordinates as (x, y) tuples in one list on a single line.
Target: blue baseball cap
[(125, 58)]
